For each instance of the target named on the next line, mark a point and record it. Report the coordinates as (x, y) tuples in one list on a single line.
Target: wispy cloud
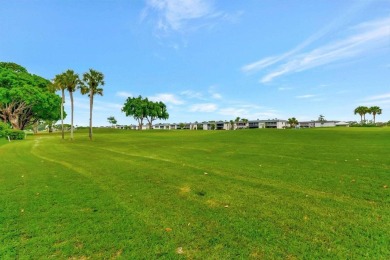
[(268, 61), (214, 94), (123, 94), (205, 107), (192, 94), (361, 39), (379, 97), (167, 98), (377, 100), (284, 88), (306, 96), (174, 14)]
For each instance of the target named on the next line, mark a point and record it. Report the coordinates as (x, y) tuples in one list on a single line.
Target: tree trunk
[(373, 114), (35, 127), (62, 113), (90, 113), (14, 120), (71, 115)]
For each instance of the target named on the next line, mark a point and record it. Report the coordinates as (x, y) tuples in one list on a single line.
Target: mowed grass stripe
[(154, 180)]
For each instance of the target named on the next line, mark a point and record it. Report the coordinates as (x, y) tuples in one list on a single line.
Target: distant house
[(270, 123), (325, 124), (161, 126), (221, 125), (342, 124), (306, 124)]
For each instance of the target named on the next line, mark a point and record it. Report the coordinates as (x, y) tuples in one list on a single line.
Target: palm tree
[(293, 122), (72, 81), (375, 110), (245, 121), (236, 121), (362, 111), (92, 79), (321, 118), (59, 84)]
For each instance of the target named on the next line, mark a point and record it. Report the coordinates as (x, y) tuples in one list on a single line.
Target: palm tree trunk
[(71, 117), (90, 114), (62, 113), (373, 114)]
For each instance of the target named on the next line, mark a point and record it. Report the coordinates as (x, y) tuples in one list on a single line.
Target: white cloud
[(123, 94), (214, 94), (377, 97), (173, 14), (306, 96), (167, 98), (205, 107), (192, 94), (284, 88), (369, 36), (362, 39)]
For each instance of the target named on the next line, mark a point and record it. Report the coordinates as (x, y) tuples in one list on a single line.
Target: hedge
[(14, 134)]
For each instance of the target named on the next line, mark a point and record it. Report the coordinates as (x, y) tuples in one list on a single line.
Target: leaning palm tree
[(59, 84), (72, 81), (375, 110), (92, 79), (362, 111)]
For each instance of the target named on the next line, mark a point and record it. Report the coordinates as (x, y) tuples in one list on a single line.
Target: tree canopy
[(25, 98), (141, 108)]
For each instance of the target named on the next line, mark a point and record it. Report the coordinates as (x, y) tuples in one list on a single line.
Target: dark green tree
[(112, 120), (25, 98), (137, 108), (155, 110)]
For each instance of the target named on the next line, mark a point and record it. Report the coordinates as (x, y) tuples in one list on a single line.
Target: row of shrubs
[(12, 134)]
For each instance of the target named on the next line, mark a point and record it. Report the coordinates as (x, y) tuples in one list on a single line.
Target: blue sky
[(210, 59)]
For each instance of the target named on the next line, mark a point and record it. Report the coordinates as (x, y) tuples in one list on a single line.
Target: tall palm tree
[(59, 84), (72, 81), (362, 111), (375, 110), (92, 79)]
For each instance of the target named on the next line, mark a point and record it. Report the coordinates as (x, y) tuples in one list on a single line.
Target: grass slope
[(315, 193)]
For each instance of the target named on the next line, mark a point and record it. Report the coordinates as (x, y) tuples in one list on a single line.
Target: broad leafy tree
[(375, 110), (135, 107), (25, 98), (362, 111), (92, 80), (141, 108), (155, 110)]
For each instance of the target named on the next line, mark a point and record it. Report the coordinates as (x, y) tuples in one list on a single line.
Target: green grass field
[(260, 194)]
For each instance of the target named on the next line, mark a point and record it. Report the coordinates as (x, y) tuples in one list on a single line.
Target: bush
[(14, 134), (3, 127)]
